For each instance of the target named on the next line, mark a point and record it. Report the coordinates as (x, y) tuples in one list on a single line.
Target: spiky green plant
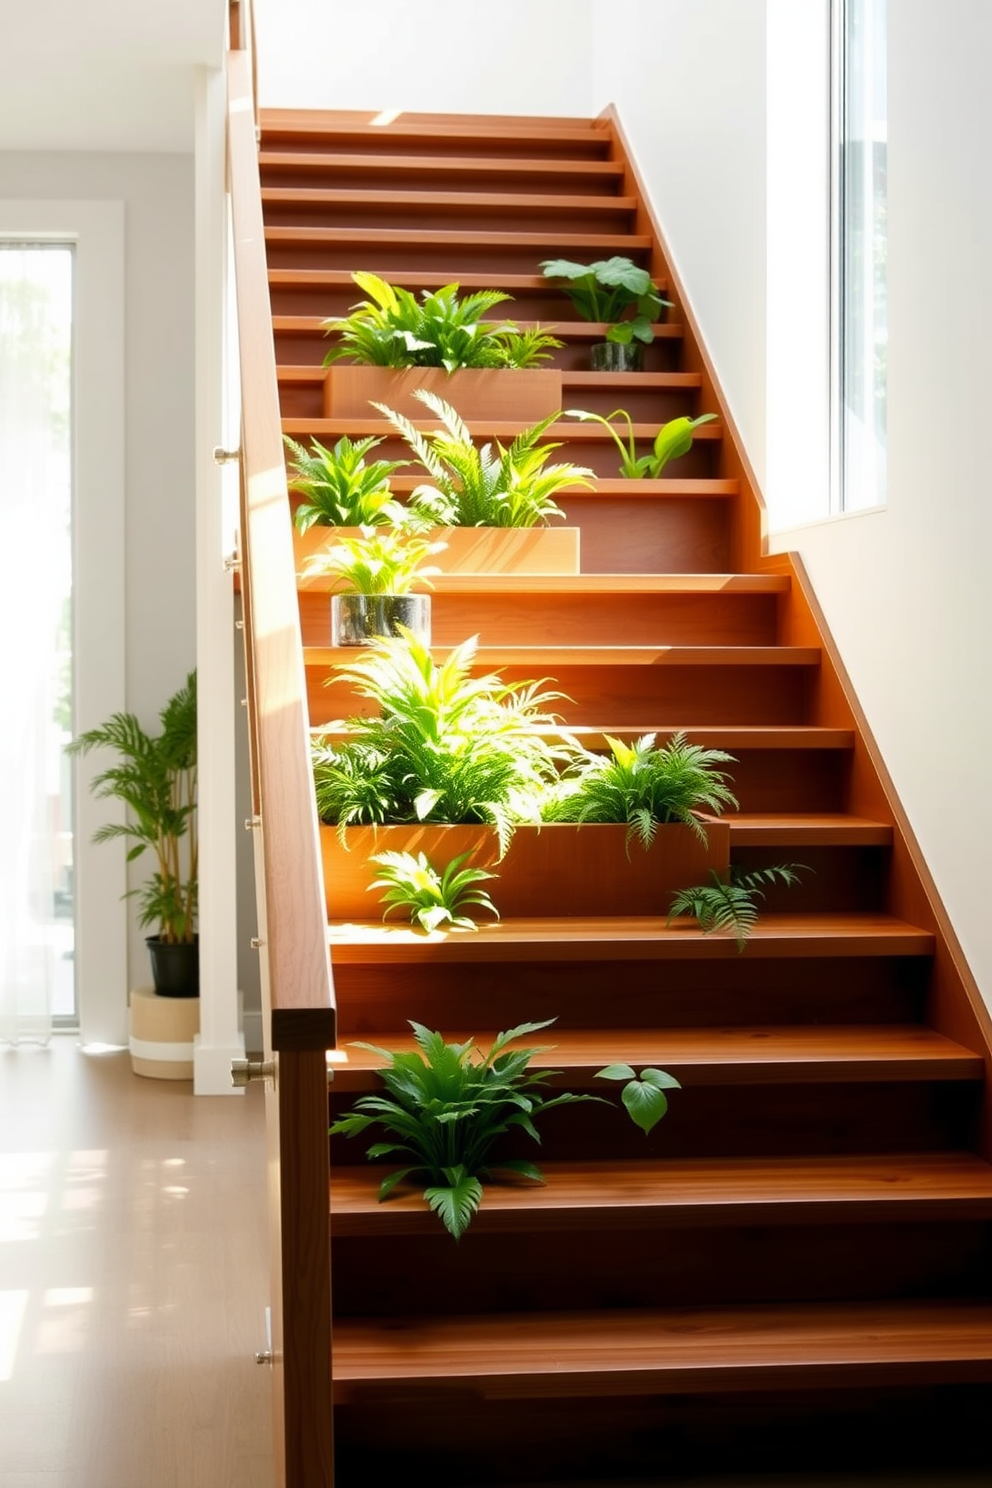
[(614, 291), (392, 328), (643, 1094), (445, 1109), (446, 746), (729, 900), (489, 486), (155, 778), (432, 898), (643, 786), (341, 489), (384, 560), (672, 440)]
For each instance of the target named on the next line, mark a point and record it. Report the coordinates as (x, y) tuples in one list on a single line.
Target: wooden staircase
[(793, 1272)]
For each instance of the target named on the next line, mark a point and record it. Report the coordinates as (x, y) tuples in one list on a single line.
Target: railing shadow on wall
[(298, 1008)]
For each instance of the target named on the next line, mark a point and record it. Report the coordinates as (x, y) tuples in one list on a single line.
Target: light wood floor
[(133, 1285), (133, 1260)]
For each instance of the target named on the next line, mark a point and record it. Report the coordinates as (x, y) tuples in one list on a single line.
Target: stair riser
[(776, 1120), (842, 879), (545, 305), (363, 173), (737, 993), (657, 1263), (523, 145), (305, 348), (539, 215), (543, 620), (449, 261)]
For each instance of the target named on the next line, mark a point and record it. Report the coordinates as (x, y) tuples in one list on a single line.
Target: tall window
[(859, 290), (36, 864)]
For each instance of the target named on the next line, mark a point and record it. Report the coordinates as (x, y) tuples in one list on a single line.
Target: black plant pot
[(175, 966), (356, 618), (614, 356)]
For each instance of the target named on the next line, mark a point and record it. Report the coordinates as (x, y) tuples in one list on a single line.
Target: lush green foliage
[(384, 560), (445, 1110), (341, 489), (487, 487), (155, 778), (432, 898), (392, 328), (672, 440), (643, 1094), (728, 901), (446, 746), (643, 785), (606, 291)]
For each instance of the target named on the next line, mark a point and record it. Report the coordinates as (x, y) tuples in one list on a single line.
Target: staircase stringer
[(955, 1005)]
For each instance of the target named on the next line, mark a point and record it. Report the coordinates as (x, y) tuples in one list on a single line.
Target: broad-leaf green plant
[(491, 486), (155, 777), (392, 328), (644, 785), (614, 291), (445, 746), (383, 560), (643, 1094), (730, 900), (432, 898), (444, 1108), (339, 487), (672, 440)]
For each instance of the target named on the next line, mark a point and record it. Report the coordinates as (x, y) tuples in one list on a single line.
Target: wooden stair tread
[(565, 330), (305, 123), (668, 488), (550, 584), (824, 1053), (619, 1194), (473, 166), (731, 737), (676, 1350), (495, 201), (506, 430), (543, 242), (813, 829), (628, 938), (417, 279), (611, 656)]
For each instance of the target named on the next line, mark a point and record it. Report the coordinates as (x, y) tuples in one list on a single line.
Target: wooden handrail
[(294, 936)]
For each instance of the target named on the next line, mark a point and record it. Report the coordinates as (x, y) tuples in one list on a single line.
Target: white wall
[(689, 82), (906, 590), (426, 56), (157, 191)]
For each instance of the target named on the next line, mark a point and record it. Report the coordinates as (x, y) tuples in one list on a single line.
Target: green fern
[(491, 486), (341, 489), (445, 1107), (729, 901), (643, 786), (392, 328), (432, 899), (383, 560)]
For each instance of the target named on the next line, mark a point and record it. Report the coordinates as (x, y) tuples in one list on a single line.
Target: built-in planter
[(357, 619), (550, 870), (492, 550), (518, 394)]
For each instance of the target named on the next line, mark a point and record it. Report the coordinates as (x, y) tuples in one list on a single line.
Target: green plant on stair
[(383, 560), (445, 1109), (446, 746), (432, 899), (613, 291), (392, 328), (729, 901), (643, 1094), (341, 490), (491, 486), (672, 440), (643, 785)]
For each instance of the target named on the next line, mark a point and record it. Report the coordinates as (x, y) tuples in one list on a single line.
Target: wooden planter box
[(520, 395), (470, 550), (552, 870)]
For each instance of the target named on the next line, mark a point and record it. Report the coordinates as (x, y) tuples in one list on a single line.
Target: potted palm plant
[(401, 343), (154, 775), (616, 293)]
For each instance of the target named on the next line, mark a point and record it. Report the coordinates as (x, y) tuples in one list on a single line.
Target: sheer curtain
[(35, 580)]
